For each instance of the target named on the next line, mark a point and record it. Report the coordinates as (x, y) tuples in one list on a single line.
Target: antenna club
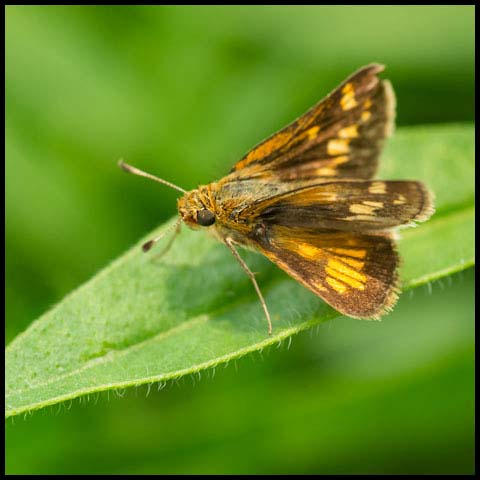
[(148, 245), (125, 166), (122, 165)]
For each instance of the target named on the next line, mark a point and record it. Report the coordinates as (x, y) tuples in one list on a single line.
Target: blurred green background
[(184, 92)]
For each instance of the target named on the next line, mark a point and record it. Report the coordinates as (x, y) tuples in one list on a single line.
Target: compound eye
[(205, 218)]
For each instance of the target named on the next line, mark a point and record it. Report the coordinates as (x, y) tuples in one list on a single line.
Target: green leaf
[(144, 319)]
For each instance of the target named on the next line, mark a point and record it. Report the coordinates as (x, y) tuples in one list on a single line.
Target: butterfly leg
[(230, 244)]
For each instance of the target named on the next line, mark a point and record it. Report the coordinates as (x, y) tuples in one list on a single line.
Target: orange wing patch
[(348, 101), (349, 276), (348, 132), (265, 149), (338, 146)]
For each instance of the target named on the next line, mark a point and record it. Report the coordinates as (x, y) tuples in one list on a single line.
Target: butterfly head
[(197, 208)]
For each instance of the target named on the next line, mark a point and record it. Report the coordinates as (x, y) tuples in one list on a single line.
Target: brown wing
[(341, 136), (354, 273), (347, 205)]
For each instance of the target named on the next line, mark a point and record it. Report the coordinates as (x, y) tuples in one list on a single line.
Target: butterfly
[(306, 199)]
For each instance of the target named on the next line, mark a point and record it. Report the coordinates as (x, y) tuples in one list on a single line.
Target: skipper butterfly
[(305, 198)]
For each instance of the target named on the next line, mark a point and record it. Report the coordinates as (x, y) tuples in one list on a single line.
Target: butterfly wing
[(346, 205), (354, 273), (341, 136), (333, 238)]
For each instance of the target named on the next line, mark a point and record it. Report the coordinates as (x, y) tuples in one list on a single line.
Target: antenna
[(135, 171)]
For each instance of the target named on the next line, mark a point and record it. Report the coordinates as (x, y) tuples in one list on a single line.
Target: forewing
[(345, 205), (354, 273), (341, 136)]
